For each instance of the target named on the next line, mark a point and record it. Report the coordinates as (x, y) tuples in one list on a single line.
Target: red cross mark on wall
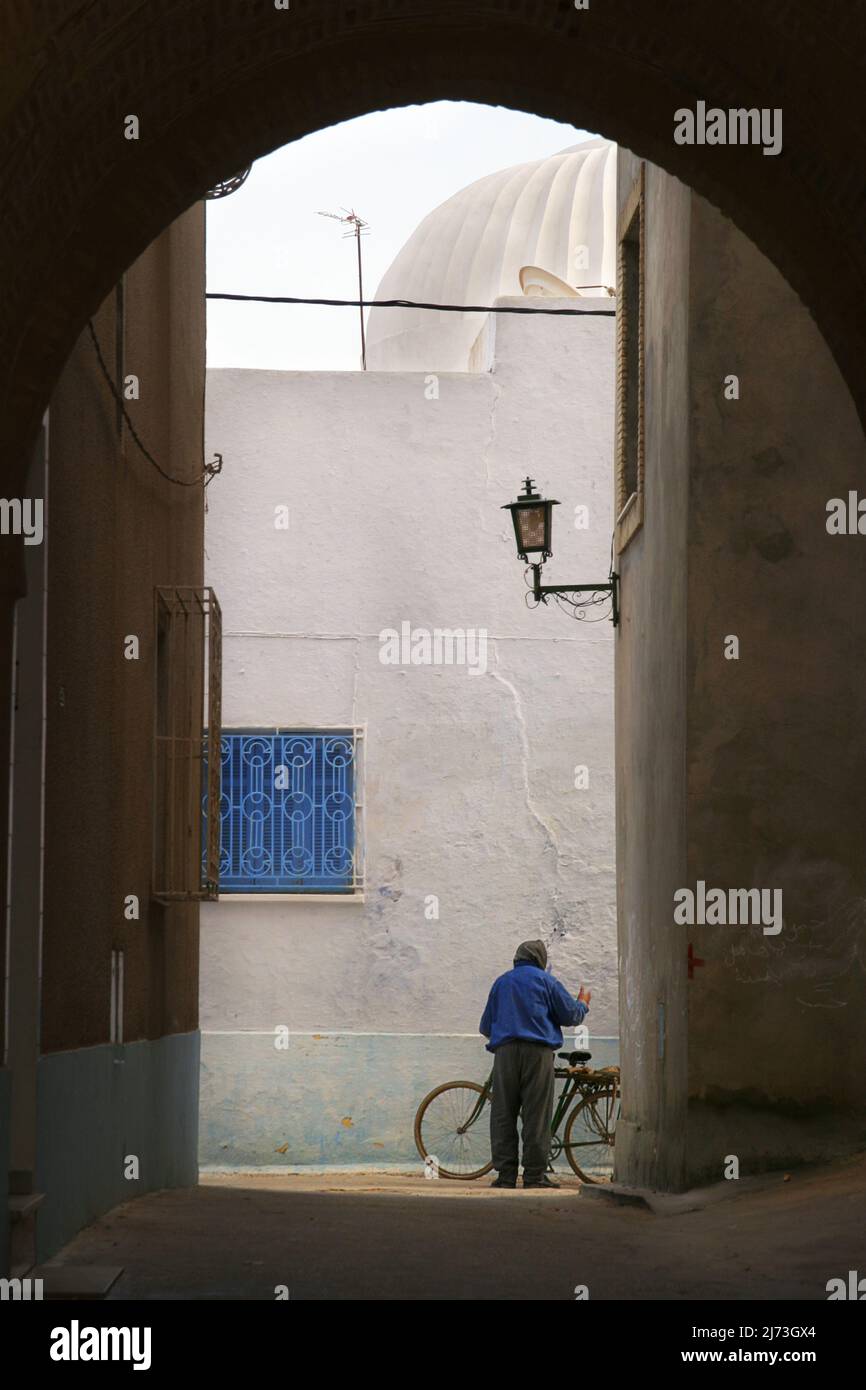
[(693, 961)]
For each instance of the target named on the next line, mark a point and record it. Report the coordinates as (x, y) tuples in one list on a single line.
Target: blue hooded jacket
[(528, 1005)]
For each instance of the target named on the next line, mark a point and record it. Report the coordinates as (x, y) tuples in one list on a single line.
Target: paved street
[(402, 1237)]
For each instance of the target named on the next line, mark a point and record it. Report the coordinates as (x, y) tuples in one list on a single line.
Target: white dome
[(471, 249)]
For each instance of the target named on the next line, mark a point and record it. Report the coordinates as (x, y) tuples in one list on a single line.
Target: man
[(523, 1021)]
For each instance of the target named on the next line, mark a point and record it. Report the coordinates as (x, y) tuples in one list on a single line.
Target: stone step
[(22, 1209), (24, 1206)]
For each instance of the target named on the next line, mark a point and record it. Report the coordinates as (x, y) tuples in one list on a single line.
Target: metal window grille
[(630, 363), (291, 811), (188, 673)]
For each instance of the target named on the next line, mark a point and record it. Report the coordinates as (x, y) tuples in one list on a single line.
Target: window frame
[(187, 698), (354, 891), (630, 343)]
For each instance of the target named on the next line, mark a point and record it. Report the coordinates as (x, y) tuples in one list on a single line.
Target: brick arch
[(216, 83)]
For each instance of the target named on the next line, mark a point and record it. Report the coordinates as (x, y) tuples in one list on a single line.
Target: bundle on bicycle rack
[(577, 1065)]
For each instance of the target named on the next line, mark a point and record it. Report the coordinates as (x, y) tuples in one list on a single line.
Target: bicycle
[(449, 1136)]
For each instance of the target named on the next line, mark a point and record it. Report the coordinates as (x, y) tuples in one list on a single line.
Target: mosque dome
[(555, 216)]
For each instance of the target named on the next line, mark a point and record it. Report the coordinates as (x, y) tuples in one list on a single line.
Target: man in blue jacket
[(526, 1011)]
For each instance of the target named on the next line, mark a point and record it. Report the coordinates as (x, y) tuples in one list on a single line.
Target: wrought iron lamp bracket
[(541, 592)]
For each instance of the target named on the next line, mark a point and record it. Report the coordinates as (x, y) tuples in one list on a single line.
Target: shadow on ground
[(240, 1236)]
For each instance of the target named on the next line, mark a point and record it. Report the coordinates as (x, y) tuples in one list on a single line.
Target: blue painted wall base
[(97, 1106), (330, 1098)]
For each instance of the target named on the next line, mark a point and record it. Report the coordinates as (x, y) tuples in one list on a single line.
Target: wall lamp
[(533, 523)]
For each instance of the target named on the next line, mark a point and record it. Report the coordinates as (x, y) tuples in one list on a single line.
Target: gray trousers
[(523, 1083)]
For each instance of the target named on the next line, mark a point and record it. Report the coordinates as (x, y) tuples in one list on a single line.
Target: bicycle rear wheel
[(590, 1132), (451, 1134)]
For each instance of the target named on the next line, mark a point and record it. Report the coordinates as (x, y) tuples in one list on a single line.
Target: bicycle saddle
[(574, 1059)]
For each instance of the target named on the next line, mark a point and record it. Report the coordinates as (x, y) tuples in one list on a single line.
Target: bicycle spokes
[(453, 1128), (590, 1134)]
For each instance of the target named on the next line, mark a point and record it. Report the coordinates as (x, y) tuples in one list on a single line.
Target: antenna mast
[(357, 226)]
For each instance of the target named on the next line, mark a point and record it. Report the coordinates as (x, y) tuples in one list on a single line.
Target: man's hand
[(584, 996)]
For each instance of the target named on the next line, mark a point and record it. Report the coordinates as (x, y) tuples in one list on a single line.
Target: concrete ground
[(361, 1236)]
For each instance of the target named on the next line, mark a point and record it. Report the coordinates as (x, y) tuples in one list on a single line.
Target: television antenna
[(357, 228)]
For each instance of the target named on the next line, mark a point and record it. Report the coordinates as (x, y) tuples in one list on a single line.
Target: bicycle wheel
[(590, 1132), (443, 1131)]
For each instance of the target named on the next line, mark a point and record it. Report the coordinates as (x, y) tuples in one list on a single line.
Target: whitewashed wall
[(395, 503)]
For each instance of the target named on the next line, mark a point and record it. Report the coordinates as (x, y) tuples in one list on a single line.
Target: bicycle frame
[(479, 1105), (574, 1084), (566, 1096)]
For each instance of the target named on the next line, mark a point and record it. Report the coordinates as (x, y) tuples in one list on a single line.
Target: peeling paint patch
[(386, 891), (390, 889)]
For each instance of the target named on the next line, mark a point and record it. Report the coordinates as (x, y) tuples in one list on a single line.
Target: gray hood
[(535, 952)]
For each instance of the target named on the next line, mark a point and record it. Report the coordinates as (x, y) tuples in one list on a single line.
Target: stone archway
[(216, 83)]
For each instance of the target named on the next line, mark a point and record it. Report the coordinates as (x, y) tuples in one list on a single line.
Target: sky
[(392, 167)]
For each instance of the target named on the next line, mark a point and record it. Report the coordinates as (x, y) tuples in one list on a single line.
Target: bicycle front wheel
[(590, 1133), (452, 1130)]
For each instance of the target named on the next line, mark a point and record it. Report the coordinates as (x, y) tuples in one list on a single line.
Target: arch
[(216, 83)]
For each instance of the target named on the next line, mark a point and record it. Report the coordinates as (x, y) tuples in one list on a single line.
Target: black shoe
[(500, 1181), (543, 1181)]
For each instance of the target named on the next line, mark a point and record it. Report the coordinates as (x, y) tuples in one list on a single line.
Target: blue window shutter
[(298, 836)]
